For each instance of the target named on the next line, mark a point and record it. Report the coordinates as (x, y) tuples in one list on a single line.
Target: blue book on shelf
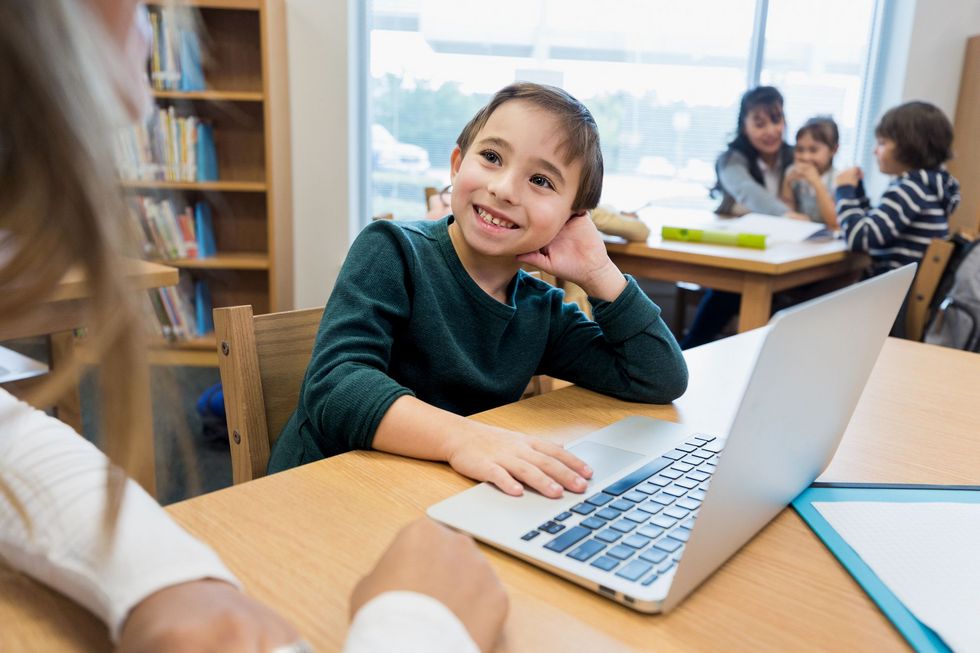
[(192, 75), (207, 156), (204, 228), (202, 308)]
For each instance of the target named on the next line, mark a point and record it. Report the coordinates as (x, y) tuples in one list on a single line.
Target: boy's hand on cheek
[(507, 459), (578, 254)]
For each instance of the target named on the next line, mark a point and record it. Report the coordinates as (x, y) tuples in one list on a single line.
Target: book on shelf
[(182, 312), (168, 147), (175, 55), (169, 234)]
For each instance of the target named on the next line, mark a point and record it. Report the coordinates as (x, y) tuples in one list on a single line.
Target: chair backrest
[(924, 286), (262, 360)]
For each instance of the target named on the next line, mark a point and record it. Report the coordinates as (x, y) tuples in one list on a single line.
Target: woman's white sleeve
[(407, 622), (59, 479)]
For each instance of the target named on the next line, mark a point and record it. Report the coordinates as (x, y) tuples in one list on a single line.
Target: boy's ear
[(455, 160), (578, 214)]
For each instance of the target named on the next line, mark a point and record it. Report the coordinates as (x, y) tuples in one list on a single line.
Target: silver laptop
[(649, 530)]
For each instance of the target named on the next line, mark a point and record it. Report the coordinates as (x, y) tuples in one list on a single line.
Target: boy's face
[(885, 153), (512, 190)]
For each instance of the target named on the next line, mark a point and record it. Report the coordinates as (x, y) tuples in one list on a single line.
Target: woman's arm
[(733, 173)]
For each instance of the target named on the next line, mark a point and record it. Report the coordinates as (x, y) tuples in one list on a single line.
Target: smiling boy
[(432, 321)]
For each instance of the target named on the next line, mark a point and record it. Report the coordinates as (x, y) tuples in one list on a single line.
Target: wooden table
[(301, 539), (755, 274), (65, 311)]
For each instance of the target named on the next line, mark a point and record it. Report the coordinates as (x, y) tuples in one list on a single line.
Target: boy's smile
[(512, 189)]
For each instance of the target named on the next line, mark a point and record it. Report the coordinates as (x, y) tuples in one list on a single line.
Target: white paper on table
[(777, 230), (926, 553)]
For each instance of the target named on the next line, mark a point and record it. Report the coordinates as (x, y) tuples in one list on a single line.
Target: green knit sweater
[(405, 318)]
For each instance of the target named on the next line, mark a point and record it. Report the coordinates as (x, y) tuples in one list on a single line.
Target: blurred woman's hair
[(61, 208)]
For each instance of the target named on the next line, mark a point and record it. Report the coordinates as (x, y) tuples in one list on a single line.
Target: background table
[(753, 273)]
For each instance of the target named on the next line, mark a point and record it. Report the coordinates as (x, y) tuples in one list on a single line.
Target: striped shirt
[(914, 209)]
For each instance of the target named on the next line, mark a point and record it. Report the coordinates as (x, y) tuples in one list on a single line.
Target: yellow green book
[(714, 237)]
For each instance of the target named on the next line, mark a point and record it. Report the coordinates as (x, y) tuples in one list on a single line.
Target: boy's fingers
[(564, 455), (533, 477), (558, 470), (504, 481)]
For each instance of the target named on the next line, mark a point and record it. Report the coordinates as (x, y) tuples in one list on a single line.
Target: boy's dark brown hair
[(581, 133), (822, 129), (922, 134)]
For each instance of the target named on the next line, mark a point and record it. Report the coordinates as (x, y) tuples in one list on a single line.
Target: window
[(663, 80)]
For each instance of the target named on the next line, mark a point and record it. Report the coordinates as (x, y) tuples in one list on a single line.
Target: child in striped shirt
[(914, 142)]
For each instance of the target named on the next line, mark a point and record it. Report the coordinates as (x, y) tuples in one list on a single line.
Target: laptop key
[(623, 526), (650, 507), (671, 474), (675, 491), (681, 534), (621, 552), (668, 544), (600, 499), (530, 535), (688, 504), (686, 448), (634, 570), (698, 476), (647, 488), (583, 508), (697, 495), (593, 523), (663, 499), (686, 483), (663, 522), (637, 516), (713, 447), (635, 478), (703, 455), (656, 556), (649, 530), (586, 550), (622, 504), (608, 535), (665, 567), (675, 454), (693, 460), (660, 481), (682, 467), (567, 539), (649, 580), (636, 541), (635, 496), (605, 563), (608, 513), (702, 437), (563, 516), (551, 527), (676, 513), (689, 524)]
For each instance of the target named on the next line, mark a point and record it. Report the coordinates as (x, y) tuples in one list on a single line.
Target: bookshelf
[(246, 102)]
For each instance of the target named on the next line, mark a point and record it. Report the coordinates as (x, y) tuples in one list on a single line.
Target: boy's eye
[(490, 156), (544, 182)]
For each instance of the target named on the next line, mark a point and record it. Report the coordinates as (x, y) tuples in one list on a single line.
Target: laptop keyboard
[(637, 526)]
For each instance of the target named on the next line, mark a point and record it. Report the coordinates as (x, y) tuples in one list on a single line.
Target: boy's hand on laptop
[(578, 254), (430, 559), (507, 459)]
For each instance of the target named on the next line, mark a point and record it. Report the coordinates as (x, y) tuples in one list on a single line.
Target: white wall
[(936, 51), (323, 207)]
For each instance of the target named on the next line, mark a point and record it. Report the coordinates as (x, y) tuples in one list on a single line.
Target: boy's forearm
[(416, 429), (606, 284)]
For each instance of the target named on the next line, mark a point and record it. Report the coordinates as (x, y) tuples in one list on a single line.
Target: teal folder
[(918, 635)]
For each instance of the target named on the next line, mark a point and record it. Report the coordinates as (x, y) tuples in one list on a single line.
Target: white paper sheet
[(778, 230), (927, 555)]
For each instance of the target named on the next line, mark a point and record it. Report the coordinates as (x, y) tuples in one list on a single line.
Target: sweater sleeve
[(628, 352), (347, 390), (866, 227), (59, 480), (733, 173)]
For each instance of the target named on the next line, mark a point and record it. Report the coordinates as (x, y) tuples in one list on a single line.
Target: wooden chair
[(262, 360), (924, 286)]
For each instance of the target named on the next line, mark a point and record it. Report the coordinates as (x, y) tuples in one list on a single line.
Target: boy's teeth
[(492, 220)]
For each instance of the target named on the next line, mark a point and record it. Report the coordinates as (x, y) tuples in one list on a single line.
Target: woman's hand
[(203, 615), (430, 559)]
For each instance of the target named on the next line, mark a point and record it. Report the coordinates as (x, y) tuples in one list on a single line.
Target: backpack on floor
[(956, 319)]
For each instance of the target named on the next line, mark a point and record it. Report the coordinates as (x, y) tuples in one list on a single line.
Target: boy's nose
[(503, 186)]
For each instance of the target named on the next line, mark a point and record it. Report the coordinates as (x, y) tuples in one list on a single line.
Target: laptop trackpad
[(603, 459)]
